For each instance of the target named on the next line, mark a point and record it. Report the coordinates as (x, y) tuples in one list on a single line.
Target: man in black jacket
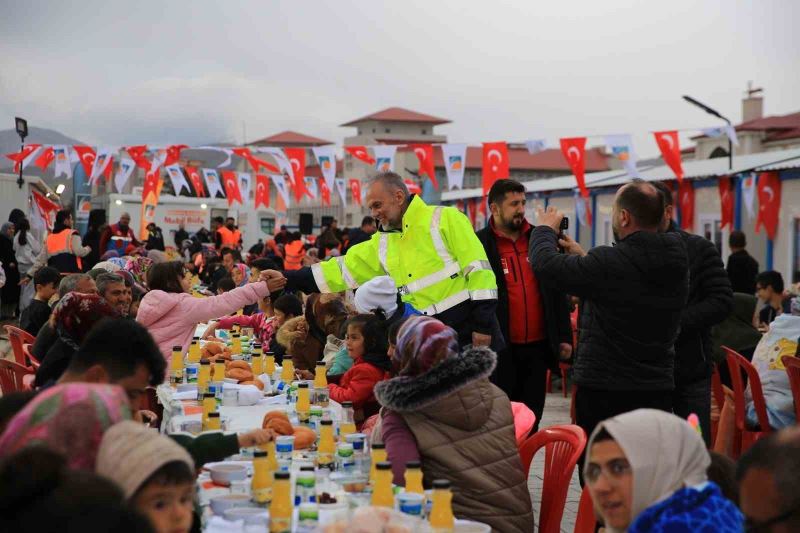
[(710, 302), (632, 296), (533, 318), (742, 268)]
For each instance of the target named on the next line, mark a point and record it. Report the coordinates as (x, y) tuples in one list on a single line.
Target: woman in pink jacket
[(170, 313)]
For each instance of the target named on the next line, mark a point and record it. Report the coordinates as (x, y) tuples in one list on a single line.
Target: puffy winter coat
[(356, 385), (633, 296), (171, 318)]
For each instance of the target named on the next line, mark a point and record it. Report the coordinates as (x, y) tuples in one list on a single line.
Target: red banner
[(137, 154), (297, 158), (262, 190), (769, 203), (255, 163), (355, 189), (424, 153), (726, 200), (232, 191), (686, 200), (574, 151), (413, 187), (670, 147), (150, 184), (47, 156), (86, 155), (495, 164), (360, 152), (26, 152), (324, 192), (174, 154), (197, 181)]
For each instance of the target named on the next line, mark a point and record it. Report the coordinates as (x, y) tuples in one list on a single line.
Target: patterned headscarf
[(241, 267), (138, 267), (69, 419), (108, 266), (119, 261), (422, 343), (76, 313), (108, 255)]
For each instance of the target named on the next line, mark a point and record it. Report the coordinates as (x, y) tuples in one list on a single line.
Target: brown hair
[(165, 277)]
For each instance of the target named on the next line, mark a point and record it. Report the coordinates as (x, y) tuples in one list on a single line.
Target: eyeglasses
[(751, 526), (614, 470)]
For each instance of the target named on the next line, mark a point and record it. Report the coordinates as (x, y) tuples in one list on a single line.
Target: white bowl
[(220, 504), (252, 516), (224, 473), (468, 526)]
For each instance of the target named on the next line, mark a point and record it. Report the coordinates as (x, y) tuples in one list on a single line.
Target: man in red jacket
[(533, 318), (118, 236)]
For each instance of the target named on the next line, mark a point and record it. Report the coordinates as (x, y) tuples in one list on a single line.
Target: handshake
[(275, 280)]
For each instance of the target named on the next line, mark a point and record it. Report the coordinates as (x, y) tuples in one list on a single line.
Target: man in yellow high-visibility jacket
[(431, 252)]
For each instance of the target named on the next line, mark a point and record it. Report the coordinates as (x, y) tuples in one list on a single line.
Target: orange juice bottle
[(176, 366), (382, 495), (194, 350), (257, 360), (204, 376), (378, 456), (348, 424), (213, 421), (209, 406), (219, 370), (269, 364), (327, 446), (236, 344), (414, 477), (280, 508), (287, 373), (441, 517), (303, 405), (320, 376), (261, 485)]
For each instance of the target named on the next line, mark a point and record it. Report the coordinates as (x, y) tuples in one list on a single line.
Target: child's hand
[(304, 374), (256, 437), (210, 331)]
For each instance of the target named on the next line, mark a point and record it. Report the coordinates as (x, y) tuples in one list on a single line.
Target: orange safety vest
[(294, 255), (230, 239), (59, 248)]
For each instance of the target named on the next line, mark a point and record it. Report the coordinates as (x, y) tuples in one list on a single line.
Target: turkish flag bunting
[(255, 162), (21, 158), (137, 154), (324, 192), (262, 190), (150, 183), (86, 154), (231, 184), (726, 201), (297, 158), (769, 203), (174, 154), (670, 147), (424, 153), (196, 180), (355, 189), (109, 169), (46, 207), (686, 202), (413, 187), (360, 152), (495, 164), (574, 151), (46, 157)]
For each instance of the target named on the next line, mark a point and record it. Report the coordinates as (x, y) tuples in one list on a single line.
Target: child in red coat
[(367, 346)]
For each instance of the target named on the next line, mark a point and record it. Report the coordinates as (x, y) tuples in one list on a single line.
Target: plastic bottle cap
[(259, 453), (321, 363), (205, 362), (209, 395), (377, 445), (347, 404), (305, 468), (177, 348), (439, 483), (413, 464), (326, 422), (302, 385), (282, 475), (386, 465), (195, 338), (214, 414)]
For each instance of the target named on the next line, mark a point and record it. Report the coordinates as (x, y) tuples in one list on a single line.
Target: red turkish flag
[(413, 187), (686, 202), (197, 181), (324, 192), (472, 208), (174, 154), (424, 153), (262, 190), (46, 207), (769, 203), (137, 154), (255, 163), (670, 147), (574, 151), (150, 184), (86, 155), (231, 184), (495, 164), (47, 156), (297, 158), (726, 201), (355, 188), (19, 157), (109, 169), (360, 152)]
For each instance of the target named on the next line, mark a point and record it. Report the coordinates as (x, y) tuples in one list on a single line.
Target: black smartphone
[(561, 229)]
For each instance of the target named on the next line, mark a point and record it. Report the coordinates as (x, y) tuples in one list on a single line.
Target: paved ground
[(556, 411)]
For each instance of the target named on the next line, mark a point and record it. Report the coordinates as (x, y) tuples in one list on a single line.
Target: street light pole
[(717, 114), (22, 130)]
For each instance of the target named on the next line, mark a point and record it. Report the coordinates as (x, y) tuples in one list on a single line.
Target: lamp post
[(22, 131), (718, 115)]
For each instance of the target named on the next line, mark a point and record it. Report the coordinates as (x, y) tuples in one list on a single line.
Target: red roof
[(776, 128), (398, 114), (291, 138), (521, 159)]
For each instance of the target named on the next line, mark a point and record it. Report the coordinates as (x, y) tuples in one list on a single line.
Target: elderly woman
[(646, 471), (440, 396), (72, 319)]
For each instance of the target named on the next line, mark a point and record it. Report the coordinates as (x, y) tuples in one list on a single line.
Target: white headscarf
[(664, 451)]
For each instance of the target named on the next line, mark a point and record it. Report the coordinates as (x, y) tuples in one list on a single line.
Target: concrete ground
[(556, 412)]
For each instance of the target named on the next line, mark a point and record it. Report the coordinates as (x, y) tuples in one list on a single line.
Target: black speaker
[(326, 220), (306, 223)]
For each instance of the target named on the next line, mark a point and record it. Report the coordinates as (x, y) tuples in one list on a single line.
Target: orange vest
[(294, 255), (60, 253), (230, 239)]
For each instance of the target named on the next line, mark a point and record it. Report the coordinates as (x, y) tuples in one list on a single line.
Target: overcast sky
[(193, 72)]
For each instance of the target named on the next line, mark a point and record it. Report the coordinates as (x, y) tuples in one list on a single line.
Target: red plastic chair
[(17, 337), (585, 521), (745, 435), (563, 446), (12, 376), (792, 365), (563, 367), (26, 349)]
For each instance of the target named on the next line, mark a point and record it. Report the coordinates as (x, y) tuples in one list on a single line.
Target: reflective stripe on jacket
[(60, 254)]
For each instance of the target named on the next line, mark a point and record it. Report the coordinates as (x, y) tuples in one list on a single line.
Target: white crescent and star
[(768, 190), (420, 153), (574, 150), (295, 164), (668, 139)]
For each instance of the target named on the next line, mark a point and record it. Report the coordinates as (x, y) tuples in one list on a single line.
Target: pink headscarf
[(69, 419)]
